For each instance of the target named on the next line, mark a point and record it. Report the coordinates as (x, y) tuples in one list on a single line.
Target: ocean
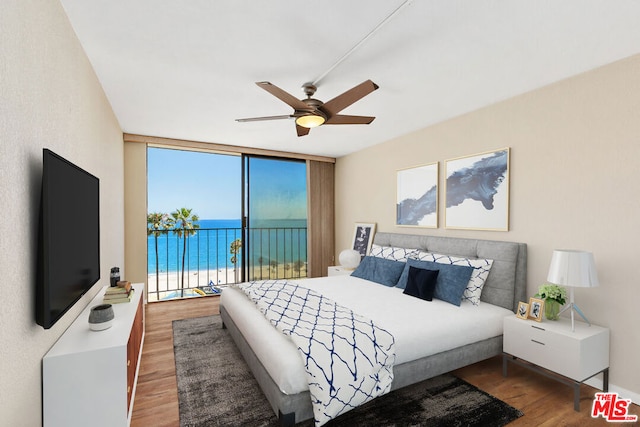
[(281, 241)]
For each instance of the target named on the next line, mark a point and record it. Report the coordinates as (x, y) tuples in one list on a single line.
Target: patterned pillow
[(393, 253), (482, 268)]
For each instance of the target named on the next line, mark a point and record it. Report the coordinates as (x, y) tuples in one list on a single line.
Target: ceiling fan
[(311, 112)]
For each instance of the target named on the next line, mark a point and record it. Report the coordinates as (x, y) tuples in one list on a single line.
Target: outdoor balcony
[(213, 258)]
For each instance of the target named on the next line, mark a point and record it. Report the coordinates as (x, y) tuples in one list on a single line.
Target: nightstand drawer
[(545, 350), (539, 335), (553, 346), (528, 342)]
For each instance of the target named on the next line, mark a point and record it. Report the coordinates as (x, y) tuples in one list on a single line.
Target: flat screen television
[(69, 237)]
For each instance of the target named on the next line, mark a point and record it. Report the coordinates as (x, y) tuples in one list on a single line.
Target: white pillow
[(393, 253), (482, 268)]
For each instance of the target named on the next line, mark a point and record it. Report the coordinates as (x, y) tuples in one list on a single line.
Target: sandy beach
[(168, 284)]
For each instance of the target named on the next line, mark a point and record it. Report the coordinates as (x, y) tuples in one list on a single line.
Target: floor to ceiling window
[(197, 237)]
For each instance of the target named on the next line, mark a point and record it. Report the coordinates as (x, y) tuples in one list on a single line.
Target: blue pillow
[(379, 270), (451, 283), (421, 283)]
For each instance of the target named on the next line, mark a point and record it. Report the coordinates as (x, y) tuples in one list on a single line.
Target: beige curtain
[(320, 217)]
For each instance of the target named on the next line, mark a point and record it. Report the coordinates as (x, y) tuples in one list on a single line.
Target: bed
[(276, 364)]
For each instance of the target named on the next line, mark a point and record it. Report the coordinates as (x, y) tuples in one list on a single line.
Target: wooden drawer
[(133, 352)]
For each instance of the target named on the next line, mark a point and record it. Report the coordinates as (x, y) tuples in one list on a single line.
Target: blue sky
[(210, 184)]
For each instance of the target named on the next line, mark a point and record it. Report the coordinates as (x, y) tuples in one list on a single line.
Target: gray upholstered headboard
[(507, 281)]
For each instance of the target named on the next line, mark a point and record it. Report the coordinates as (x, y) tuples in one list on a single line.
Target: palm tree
[(274, 266), (158, 224), (287, 267), (236, 245), (185, 226), (297, 266)]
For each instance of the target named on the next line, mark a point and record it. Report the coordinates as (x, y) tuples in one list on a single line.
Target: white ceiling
[(186, 69)]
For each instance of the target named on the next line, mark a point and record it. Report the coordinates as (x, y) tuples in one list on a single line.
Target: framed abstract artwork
[(477, 191), (417, 196), (363, 238)]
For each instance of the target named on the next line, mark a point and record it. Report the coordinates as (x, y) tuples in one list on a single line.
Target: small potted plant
[(554, 297)]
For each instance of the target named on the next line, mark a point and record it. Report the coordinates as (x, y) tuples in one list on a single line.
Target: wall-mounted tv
[(69, 238)]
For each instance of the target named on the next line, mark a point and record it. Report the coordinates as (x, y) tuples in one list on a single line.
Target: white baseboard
[(622, 392)]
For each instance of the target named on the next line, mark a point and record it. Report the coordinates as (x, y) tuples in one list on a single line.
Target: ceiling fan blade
[(261, 119), (354, 94), (341, 119), (285, 97), (302, 131)]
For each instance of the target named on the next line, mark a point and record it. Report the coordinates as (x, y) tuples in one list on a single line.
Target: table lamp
[(574, 269), (349, 259)]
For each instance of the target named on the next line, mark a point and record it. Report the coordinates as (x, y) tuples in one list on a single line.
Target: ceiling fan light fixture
[(310, 120)]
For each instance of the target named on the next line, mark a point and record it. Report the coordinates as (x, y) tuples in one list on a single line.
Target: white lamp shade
[(573, 268), (349, 258)]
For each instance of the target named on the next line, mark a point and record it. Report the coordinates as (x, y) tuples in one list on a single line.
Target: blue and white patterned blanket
[(348, 359)]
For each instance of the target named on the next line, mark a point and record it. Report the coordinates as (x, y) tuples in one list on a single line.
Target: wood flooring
[(156, 399), (545, 402)]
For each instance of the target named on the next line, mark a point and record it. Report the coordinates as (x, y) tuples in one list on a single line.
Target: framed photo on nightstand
[(536, 307), (363, 238), (523, 310)]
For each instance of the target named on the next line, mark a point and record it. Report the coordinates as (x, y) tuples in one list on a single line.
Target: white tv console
[(89, 377)]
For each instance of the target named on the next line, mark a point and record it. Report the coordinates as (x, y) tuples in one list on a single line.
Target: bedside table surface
[(338, 270)]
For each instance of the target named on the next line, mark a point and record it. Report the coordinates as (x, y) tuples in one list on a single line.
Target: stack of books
[(118, 294)]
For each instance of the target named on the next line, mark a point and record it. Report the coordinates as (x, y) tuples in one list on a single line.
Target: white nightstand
[(338, 270), (575, 356)]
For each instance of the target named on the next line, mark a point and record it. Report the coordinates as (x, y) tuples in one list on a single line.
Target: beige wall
[(575, 162), (49, 97)]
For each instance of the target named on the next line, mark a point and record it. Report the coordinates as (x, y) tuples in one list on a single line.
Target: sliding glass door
[(275, 218)]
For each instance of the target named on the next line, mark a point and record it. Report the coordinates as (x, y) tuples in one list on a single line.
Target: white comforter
[(347, 357), (420, 328)]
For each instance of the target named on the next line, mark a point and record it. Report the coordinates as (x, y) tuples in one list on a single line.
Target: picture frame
[(477, 191), (363, 237), (536, 309), (417, 196), (523, 310)]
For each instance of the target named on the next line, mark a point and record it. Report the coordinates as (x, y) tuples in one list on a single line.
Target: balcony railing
[(273, 253)]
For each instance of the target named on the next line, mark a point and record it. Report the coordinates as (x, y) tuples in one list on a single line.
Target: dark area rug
[(216, 388)]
